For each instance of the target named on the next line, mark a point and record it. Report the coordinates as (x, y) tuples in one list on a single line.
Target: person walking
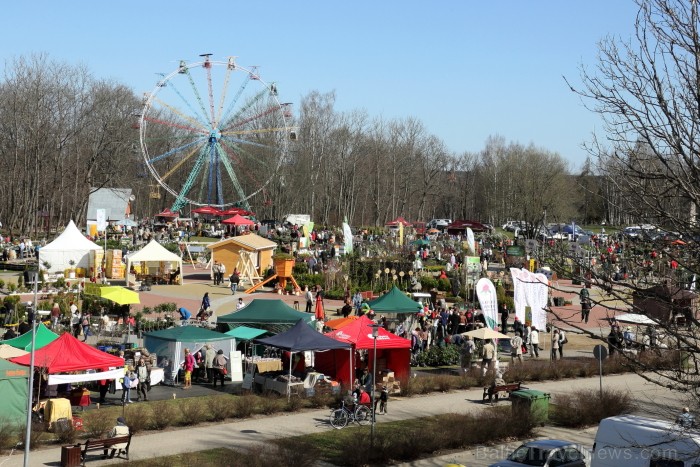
[(308, 296), (487, 354), (585, 305), (555, 344), (215, 272), (504, 318), (209, 356), (466, 352), (188, 366), (55, 315), (235, 280), (562, 340), (143, 372), (220, 367), (222, 273), (516, 348), (535, 341)]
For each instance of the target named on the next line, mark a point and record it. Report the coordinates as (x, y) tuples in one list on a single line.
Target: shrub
[(295, 452), (194, 411), (244, 406), (138, 417), (67, 436), (96, 424), (322, 400), (165, 414), (294, 404), (37, 433), (444, 284), (586, 407), (270, 404), (428, 282), (222, 407), (439, 356), (8, 435)]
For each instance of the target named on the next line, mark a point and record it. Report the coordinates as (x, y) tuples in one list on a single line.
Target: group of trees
[(64, 132)]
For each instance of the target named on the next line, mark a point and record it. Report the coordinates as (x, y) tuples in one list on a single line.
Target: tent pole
[(351, 365), (291, 359)]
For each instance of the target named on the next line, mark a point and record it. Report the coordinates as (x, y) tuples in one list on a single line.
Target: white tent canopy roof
[(71, 245), (154, 251), (635, 318)]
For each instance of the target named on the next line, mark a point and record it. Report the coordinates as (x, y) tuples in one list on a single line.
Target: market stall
[(169, 346), (393, 352), (300, 338), (69, 251), (271, 315), (153, 264), (43, 337), (13, 387)]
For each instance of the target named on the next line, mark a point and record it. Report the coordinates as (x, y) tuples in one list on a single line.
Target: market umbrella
[(167, 213), (485, 333), (120, 295), (678, 242), (422, 242), (320, 314), (210, 210), (239, 211)]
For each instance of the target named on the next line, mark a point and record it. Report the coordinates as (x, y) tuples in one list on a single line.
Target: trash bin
[(558, 301), (70, 456), (532, 401)]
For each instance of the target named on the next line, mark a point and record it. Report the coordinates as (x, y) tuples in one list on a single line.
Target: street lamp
[(375, 333)]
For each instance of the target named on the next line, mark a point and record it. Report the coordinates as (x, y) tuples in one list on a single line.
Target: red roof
[(210, 210), (69, 354), (234, 211), (237, 220), (399, 220), (462, 224), (359, 333), (167, 213)]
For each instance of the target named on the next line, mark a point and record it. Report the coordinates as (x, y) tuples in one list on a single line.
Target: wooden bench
[(492, 392), (102, 444)]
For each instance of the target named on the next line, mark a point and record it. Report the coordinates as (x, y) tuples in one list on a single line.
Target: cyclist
[(364, 398)]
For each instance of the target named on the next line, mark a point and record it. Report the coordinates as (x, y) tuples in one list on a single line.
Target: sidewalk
[(243, 433)]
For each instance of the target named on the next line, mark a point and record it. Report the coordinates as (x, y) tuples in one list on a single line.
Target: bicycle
[(342, 416)]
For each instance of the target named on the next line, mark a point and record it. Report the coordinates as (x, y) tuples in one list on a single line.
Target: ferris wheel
[(213, 133)]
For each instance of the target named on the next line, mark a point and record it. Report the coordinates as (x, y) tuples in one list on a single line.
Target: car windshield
[(529, 455)]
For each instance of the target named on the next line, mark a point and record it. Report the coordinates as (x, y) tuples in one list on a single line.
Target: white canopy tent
[(635, 318), (153, 260), (71, 245)]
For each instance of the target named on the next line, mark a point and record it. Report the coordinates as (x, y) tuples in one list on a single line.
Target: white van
[(632, 441)]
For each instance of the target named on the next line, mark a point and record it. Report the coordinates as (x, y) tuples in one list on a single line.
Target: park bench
[(102, 444), (492, 392)]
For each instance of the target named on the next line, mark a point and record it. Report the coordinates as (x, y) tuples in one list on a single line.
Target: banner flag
[(347, 235), (486, 292), (470, 241)]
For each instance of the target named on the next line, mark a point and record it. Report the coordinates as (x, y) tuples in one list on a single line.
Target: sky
[(467, 69)]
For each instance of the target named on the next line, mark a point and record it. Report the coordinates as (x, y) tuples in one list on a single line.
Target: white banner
[(541, 293), (101, 218), (486, 292), (470, 241), (347, 234), (81, 378), (518, 295)]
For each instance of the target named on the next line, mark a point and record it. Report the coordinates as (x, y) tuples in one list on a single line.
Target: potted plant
[(284, 264)]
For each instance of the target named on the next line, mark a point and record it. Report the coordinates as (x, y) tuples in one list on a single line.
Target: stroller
[(146, 285)]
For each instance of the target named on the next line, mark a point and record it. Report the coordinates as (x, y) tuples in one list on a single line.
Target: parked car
[(439, 223), (547, 453)]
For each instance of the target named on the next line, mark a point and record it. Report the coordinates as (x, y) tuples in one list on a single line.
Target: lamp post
[(375, 333), (28, 430)]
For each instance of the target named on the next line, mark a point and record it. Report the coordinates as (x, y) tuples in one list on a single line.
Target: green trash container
[(532, 401)]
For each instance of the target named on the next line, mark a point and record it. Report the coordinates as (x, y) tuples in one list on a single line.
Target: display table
[(80, 398), (264, 365), (157, 376)]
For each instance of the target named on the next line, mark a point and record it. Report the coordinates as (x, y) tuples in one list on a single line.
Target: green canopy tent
[(394, 301), (271, 315), (44, 336), (13, 387), (421, 242), (246, 334), (169, 346)]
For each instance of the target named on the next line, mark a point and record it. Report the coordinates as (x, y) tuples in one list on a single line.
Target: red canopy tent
[(168, 213), (399, 220), (69, 354), (393, 352), (234, 211), (237, 220), (208, 210)]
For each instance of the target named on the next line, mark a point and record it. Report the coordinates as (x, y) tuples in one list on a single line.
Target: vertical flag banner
[(400, 233), (486, 292), (347, 235), (101, 217), (539, 315), (470, 241), (518, 295)]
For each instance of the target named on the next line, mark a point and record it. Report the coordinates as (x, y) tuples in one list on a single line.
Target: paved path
[(652, 399)]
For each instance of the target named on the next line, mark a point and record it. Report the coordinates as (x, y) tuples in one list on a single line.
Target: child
[(383, 400)]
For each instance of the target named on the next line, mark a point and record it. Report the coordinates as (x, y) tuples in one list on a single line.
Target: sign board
[(248, 381), (600, 352), (515, 250), (236, 360), (473, 265), (101, 217), (531, 245)]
